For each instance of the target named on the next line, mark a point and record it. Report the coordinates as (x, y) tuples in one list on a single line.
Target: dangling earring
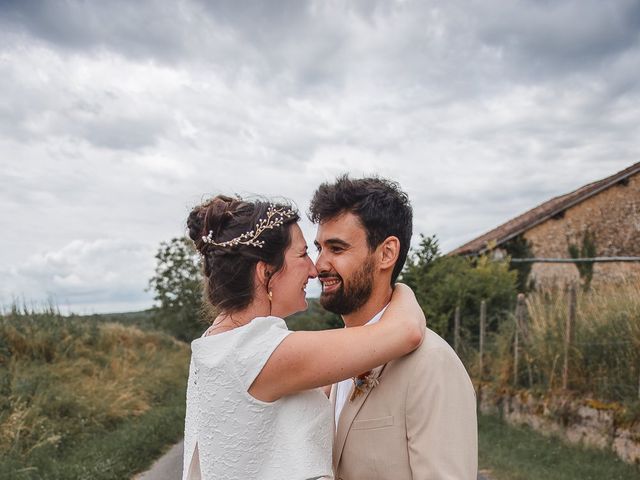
[(270, 296)]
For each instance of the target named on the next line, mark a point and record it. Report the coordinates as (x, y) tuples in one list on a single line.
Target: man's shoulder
[(432, 351), (434, 362), (432, 344), (433, 340)]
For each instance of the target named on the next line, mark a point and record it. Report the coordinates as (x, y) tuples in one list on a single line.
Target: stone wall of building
[(612, 215)]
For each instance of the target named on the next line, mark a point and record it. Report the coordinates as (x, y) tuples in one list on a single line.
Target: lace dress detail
[(230, 435)]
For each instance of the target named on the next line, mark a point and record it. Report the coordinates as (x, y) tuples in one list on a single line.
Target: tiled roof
[(542, 212)]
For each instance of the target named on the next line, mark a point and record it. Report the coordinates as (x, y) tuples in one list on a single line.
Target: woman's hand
[(407, 314)]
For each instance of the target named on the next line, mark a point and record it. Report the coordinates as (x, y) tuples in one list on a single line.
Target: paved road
[(169, 466)]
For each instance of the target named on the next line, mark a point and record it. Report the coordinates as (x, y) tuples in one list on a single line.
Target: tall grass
[(67, 382), (604, 352)]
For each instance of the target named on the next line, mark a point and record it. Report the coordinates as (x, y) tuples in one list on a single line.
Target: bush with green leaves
[(177, 284), (314, 318), (442, 283)]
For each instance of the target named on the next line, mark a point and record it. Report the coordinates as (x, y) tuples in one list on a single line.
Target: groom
[(415, 417)]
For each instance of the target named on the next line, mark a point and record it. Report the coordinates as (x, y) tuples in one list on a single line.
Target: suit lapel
[(347, 416)]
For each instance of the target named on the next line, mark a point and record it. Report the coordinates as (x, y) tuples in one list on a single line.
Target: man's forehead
[(346, 226)]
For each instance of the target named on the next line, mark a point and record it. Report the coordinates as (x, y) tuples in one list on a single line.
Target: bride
[(255, 409)]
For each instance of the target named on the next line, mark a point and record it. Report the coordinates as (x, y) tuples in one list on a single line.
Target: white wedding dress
[(230, 435)]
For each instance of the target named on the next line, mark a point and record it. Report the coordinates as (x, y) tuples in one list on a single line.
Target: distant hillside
[(143, 319), (314, 318)]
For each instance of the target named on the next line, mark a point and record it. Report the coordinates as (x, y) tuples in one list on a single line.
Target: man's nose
[(321, 263)]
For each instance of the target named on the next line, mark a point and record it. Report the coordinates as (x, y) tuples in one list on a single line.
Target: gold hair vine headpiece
[(275, 218)]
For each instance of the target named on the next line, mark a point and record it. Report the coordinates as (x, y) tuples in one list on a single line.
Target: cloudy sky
[(116, 117)]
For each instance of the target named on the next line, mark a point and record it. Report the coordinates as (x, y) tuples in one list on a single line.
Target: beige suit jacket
[(418, 423)]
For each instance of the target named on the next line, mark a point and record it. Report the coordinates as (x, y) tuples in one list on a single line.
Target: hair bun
[(195, 224), (211, 216)]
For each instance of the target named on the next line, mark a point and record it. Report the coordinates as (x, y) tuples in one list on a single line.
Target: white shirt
[(230, 435), (344, 387)]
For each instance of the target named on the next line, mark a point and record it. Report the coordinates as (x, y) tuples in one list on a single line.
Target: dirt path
[(167, 467)]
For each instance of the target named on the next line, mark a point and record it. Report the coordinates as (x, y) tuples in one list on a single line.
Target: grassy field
[(83, 398), (100, 397), (519, 453), (604, 353)]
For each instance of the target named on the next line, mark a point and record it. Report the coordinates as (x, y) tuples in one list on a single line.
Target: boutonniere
[(363, 383)]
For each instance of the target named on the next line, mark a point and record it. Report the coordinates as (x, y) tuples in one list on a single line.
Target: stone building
[(601, 219)]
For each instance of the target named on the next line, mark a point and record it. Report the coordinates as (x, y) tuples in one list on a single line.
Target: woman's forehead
[(297, 237)]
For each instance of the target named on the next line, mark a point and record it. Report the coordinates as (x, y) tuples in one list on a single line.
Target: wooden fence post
[(456, 330), (483, 319), (520, 306), (515, 342), (571, 317)]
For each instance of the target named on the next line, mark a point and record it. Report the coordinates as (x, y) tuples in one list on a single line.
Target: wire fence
[(585, 342)]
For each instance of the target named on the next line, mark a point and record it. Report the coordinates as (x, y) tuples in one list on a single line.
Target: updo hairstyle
[(229, 270)]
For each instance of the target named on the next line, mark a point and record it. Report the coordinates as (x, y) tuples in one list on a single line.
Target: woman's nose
[(313, 272)]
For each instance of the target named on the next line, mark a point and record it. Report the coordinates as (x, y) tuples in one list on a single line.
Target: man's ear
[(388, 252)]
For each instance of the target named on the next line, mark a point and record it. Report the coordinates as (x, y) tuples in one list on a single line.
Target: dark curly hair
[(382, 207), (229, 271)]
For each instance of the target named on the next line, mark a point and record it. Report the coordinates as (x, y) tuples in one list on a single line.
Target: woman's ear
[(389, 250), (263, 272)]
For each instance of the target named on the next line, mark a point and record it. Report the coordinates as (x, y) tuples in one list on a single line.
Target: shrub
[(442, 283)]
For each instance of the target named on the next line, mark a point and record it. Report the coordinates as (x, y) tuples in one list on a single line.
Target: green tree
[(419, 261), (587, 249), (177, 284), (314, 318), (443, 282), (520, 247)]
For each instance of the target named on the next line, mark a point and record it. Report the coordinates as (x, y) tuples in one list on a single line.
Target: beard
[(352, 294)]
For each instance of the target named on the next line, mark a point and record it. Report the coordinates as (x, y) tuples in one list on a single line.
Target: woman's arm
[(306, 360), (327, 390)]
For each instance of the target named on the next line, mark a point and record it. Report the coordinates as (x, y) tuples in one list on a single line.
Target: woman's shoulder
[(262, 331), (257, 330), (261, 324)]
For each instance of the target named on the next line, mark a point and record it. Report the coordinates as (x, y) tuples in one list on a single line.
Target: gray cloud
[(140, 29), (567, 37), (117, 117), (84, 273)]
